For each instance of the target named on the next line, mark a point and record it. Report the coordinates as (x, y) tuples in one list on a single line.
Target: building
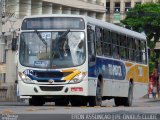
[(116, 9), (14, 10)]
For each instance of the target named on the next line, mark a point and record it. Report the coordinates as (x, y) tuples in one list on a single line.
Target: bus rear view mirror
[(14, 44)]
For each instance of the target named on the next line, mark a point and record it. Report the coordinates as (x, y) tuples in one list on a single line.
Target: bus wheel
[(96, 100), (36, 101), (61, 103), (118, 101), (128, 100)]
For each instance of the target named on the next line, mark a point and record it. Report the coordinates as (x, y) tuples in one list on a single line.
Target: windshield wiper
[(64, 34), (40, 37)]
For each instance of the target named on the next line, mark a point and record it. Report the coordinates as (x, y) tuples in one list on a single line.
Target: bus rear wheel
[(126, 101), (119, 101), (96, 100)]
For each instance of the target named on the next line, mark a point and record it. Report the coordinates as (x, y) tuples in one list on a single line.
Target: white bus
[(74, 59)]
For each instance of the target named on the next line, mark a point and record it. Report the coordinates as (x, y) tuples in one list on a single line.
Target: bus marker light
[(75, 89)]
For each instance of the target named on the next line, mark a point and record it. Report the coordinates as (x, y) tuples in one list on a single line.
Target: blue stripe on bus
[(35, 74), (110, 69)]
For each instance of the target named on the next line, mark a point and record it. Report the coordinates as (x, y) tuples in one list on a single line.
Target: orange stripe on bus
[(72, 75), (128, 64)]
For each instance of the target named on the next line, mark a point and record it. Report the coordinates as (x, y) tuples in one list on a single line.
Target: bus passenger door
[(91, 47), (91, 60)]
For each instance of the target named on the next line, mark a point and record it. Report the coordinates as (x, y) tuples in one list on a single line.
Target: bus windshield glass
[(63, 49)]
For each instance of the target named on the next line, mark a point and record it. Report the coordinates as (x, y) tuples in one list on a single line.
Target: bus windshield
[(64, 49)]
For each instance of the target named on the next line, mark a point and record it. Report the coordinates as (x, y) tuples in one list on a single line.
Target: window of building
[(127, 6), (107, 7), (137, 3), (117, 7)]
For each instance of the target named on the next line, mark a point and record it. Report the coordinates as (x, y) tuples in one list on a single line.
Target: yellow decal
[(73, 74), (138, 73)]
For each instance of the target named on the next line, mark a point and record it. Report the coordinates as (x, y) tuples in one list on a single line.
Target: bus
[(79, 60)]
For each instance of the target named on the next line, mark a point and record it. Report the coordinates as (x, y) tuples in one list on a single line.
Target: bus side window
[(131, 44), (91, 45), (138, 53), (123, 44), (115, 45), (99, 43), (144, 52), (107, 43)]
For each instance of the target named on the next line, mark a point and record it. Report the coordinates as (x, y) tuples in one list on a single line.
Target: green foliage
[(152, 60), (146, 18)]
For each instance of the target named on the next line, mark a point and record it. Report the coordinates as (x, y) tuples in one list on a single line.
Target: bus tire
[(118, 101), (96, 100), (128, 100), (36, 101)]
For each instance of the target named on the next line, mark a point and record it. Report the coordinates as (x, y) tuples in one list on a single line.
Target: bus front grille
[(56, 81), (51, 88)]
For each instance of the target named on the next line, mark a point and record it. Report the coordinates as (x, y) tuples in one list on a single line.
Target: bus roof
[(99, 23)]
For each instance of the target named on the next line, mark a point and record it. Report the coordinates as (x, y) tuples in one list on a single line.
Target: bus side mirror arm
[(14, 44), (16, 58)]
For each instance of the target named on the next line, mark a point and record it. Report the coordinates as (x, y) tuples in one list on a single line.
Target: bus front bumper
[(53, 90)]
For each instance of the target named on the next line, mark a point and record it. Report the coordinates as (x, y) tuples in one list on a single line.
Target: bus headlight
[(25, 78), (78, 78)]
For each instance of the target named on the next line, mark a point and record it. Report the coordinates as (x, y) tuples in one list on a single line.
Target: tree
[(146, 18)]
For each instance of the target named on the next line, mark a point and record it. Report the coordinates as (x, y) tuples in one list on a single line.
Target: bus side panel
[(110, 70), (107, 87), (140, 90), (139, 74), (92, 84), (120, 88)]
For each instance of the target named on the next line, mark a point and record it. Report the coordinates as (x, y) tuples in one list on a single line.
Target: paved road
[(141, 105), (25, 112)]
